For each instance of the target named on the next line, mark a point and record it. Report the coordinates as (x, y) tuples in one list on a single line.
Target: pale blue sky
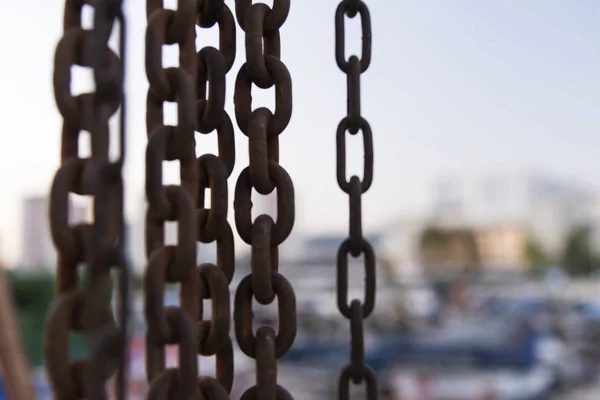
[(453, 86)]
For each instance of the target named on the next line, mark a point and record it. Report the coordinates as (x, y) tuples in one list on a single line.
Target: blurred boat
[(509, 358)]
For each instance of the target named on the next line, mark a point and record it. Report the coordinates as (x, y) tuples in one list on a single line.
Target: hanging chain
[(99, 246), (187, 86), (171, 263), (355, 244), (213, 172), (264, 68)]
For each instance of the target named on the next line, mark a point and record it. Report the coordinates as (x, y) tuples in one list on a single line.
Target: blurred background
[(484, 211)]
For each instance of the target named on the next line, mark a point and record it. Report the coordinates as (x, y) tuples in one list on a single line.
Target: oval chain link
[(355, 245), (264, 69), (98, 246)]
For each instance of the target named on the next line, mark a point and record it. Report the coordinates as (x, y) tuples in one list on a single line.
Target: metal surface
[(98, 246), (264, 69), (186, 85), (355, 245)]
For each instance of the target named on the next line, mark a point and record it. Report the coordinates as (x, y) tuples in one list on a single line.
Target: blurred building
[(399, 244), (451, 249), (544, 207), (38, 249), (323, 249), (501, 247), (501, 211)]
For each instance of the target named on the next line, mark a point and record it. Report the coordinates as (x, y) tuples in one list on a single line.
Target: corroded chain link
[(187, 86), (355, 245), (213, 172), (99, 246), (264, 68), (171, 263)]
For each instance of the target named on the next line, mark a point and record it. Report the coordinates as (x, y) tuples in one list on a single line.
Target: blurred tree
[(455, 248), (432, 246), (578, 257), (468, 251), (535, 255)]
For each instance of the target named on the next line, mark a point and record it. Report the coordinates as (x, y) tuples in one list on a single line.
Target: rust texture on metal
[(264, 68), (355, 245), (197, 86), (85, 305)]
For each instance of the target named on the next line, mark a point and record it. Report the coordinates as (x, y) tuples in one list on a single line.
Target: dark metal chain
[(355, 245), (213, 172), (264, 68), (187, 86), (171, 263), (99, 246)]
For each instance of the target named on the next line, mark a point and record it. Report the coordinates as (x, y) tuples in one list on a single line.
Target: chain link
[(197, 110), (264, 69), (355, 245), (99, 246)]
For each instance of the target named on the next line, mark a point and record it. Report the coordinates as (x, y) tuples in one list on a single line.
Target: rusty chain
[(186, 85), (171, 263), (213, 65), (264, 69), (99, 245), (197, 86), (355, 245)]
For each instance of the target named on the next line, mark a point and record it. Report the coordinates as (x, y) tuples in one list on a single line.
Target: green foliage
[(31, 290), (536, 257), (32, 295), (467, 237), (432, 235), (578, 257), (435, 245)]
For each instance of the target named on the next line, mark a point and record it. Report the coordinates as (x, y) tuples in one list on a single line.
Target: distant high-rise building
[(37, 247)]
